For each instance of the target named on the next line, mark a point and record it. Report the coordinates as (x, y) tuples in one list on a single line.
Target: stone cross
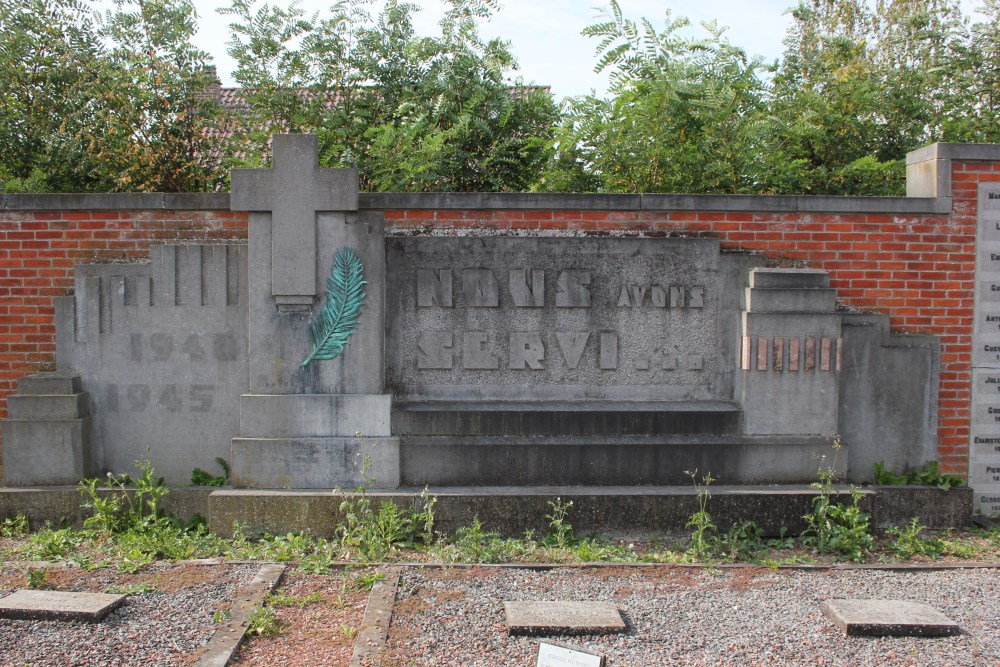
[(294, 191)]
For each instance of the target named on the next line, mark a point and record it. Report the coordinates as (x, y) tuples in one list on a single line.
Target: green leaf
[(334, 325)]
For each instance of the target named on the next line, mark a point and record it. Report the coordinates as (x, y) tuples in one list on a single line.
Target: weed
[(887, 477), (704, 530), (262, 622), (742, 542), (221, 616), (278, 600), (473, 544), (117, 508), (927, 475), (782, 541), (55, 544), (365, 582), (560, 530), (201, 478), (349, 631), (36, 578), (930, 475), (841, 530), (909, 543), (16, 527), (374, 532), (131, 589)]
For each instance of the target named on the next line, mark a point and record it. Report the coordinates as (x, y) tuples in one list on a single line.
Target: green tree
[(680, 117), (410, 112), (102, 102), (44, 57)]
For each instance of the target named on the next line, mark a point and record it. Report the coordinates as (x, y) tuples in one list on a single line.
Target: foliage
[(835, 528), (140, 588), (102, 101), (704, 531), (909, 542), (262, 622), (886, 477), (16, 527), (36, 578), (927, 475), (200, 477), (679, 118), (411, 112), (473, 544), (373, 531), (930, 475), (560, 530), (367, 580), (116, 507)]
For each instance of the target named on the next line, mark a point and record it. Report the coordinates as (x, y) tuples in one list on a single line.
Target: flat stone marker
[(58, 606), (884, 618), (562, 617)]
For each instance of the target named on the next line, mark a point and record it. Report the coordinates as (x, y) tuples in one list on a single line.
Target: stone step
[(613, 460), (44, 384), (614, 510), (564, 417)]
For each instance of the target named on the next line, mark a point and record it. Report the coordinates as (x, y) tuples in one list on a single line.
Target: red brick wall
[(918, 269)]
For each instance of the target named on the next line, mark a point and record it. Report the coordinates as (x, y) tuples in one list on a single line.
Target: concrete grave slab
[(562, 617), (884, 618), (59, 605)]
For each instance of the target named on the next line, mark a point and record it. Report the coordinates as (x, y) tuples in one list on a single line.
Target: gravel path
[(681, 616), (166, 626)]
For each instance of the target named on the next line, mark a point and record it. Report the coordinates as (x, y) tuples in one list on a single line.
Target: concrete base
[(315, 463), (53, 451), (512, 510), (605, 510), (55, 503)]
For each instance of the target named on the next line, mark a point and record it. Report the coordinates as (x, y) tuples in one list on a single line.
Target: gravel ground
[(164, 627), (681, 616), (314, 634)]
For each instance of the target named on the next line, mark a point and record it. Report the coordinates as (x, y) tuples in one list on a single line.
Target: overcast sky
[(545, 34)]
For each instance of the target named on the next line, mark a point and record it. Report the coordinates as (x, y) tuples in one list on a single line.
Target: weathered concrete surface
[(562, 617), (47, 431), (315, 463), (314, 415), (59, 605), (612, 460), (41, 504), (894, 506), (162, 352), (889, 618), (371, 639), (888, 396), (606, 510), (559, 318)]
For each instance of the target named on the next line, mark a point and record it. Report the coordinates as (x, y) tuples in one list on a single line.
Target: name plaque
[(551, 654), (984, 436)]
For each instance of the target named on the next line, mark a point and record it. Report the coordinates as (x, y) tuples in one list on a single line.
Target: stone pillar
[(311, 424), (46, 437), (790, 354)]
